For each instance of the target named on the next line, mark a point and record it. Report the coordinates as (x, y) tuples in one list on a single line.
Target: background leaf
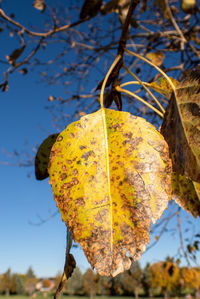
[(15, 55), (186, 194), (163, 87), (156, 57), (111, 175), (42, 157), (40, 5), (181, 127)]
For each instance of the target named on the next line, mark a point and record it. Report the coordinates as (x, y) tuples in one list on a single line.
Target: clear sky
[(24, 122)]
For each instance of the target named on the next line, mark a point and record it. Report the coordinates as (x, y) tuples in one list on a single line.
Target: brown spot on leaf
[(87, 155), (82, 147), (60, 138), (75, 171), (63, 176), (71, 135)]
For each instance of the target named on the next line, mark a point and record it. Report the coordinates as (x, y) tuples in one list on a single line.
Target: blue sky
[(24, 122)]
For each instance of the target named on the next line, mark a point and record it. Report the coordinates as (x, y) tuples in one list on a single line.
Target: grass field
[(50, 296), (41, 296)]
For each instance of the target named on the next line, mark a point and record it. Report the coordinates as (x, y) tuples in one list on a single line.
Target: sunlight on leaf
[(42, 157), (111, 176), (163, 87)]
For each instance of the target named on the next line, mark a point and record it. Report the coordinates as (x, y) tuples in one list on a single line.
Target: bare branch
[(40, 34)]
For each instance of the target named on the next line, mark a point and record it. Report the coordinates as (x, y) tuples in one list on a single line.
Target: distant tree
[(91, 283), (20, 284), (8, 283), (5, 282), (110, 286), (145, 281), (190, 278), (164, 275), (30, 273), (30, 281), (132, 279), (75, 283)]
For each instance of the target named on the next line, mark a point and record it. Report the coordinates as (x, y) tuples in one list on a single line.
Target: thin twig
[(183, 40), (167, 220), (40, 34), (146, 88), (155, 66), (118, 88), (181, 237), (17, 65), (174, 22), (113, 79), (117, 59)]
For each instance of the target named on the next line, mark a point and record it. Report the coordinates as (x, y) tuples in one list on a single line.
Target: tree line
[(165, 278)]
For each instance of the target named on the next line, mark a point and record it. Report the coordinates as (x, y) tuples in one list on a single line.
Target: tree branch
[(40, 34)]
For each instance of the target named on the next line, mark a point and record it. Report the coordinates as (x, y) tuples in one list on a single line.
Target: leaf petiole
[(155, 66), (145, 87), (117, 59), (118, 88)]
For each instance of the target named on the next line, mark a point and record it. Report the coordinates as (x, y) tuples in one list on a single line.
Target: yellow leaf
[(111, 176), (163, 87)]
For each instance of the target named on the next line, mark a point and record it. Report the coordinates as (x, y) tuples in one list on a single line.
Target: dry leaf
[(15, 54), (23, 71), (42, 157), (111, 175), (82, 113), (70, 265), (108, 98), (50, 98), (90, 8), (189, 6), (4, 86), (156, 57), (181, 127), (40, 5)]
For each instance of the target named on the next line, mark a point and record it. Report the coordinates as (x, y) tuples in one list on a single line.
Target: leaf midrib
[(108, 176)]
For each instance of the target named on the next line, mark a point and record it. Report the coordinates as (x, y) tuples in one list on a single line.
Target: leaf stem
[(152, 64), (145, 87), (118, 88), (117, 59)]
